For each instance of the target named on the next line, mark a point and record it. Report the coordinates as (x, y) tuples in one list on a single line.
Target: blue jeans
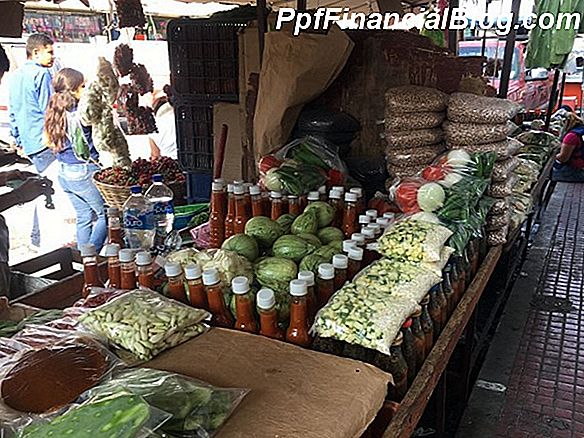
[(41, 160), (565, 173), (77, 182)]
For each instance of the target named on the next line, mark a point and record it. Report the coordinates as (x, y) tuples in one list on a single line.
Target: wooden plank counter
[(414, 403)]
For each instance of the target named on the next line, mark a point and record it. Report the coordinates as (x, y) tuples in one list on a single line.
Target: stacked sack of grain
[(482, 124), (413, 118)]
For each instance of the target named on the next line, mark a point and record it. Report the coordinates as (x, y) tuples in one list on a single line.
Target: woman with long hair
[(77, 157), (569, 163)]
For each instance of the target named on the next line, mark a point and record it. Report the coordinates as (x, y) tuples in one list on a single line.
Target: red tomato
[(406, 196), (268, 162), (433, 173)]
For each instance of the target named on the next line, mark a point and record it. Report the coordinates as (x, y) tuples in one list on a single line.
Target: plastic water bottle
[(139, 221), (161, 197)]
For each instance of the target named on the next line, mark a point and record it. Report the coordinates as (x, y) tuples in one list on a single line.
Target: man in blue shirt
[(29, 92)]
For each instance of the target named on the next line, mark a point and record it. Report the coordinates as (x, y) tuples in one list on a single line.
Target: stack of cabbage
[(370, 311), (413, 116), (482, 124)]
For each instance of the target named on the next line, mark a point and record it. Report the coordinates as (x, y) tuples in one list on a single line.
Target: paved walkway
[(537, 355)]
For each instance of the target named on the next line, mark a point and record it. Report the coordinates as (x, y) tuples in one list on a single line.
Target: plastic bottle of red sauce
[(266, 304), (313, 197), (241, 216), (311, 301), (144, 270), (176, 282), (217, 217), (267, 203), (222, 198), (277, 206), (244, 317), (247, 196), (294, 205), (323, 193), (347, 245), (336, 200), (377, 230), (221, 315), (341, 264), (128, 269), (339, 189), (195, 289), (326, 283), (359, 240), (257, 205), (360, 199), (355, 262), (303, 201), (298, 329), (350, 225), (230, 216), (90, 268), (115, 233), (364, 220), (111, 251), (369, 256)]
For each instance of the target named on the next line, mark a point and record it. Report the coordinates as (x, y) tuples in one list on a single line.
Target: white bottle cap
[(348, 244), (217, 187), (326, 271), (383, 221), (358, 191), (298, 288), (239, 190), (356, 254), (266, 299), (111, 250), (372, 214), (351, 197), (126, 255), (340, 261), (254, 190), (313, 196), (359, 238), (322, 190), (276, 195), (220, 181), (376, 228), (143, 258), (247, 186), (193, 271), (293, 197), (87, 250), (389, 215), (335, 194), (230, 188), (368, 232), (239, 181), (172, 269), (364, 219), (339, 189), (210, 277), (240, 285), (113, 211), (307, 276)]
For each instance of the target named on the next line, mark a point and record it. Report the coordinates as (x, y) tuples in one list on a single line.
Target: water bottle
[(139, 226), (161, 197)]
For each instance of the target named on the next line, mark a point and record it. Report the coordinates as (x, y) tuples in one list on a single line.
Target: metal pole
[(262, 25), (301, 5), (562, 87), (509, 50), (552, 102), (484, 44), (452, 34)]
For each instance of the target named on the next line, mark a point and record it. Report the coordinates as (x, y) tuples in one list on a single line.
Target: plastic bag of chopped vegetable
[(366, 317), (197, 409), (118, 415), (503, 169), (145, 323), (413, 241)]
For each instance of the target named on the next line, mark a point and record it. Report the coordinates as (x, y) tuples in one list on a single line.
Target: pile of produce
[(302, 166), (130, 13), (140, 172), (413, 116)]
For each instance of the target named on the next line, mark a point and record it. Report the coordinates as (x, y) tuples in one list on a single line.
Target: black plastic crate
[(204, 59), (199, 186), (194, 135)]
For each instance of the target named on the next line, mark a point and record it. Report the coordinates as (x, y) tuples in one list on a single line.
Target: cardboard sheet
[(295, 393)]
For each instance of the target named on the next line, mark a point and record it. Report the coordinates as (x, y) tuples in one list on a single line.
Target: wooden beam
[(262, 26), (413, 405)]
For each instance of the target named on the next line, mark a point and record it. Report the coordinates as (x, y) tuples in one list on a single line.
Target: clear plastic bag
[(500, 206), (413, 138), (415, 99), (539, 138), (413, 241), (470, 108), (396, 121), (504, 149), (503, 189), (145, 323), (365, 317), (497, 221), (497, 237), (119, 415), (503, 169), (313, 151), (471, 133), (197, 409), (414, 157)]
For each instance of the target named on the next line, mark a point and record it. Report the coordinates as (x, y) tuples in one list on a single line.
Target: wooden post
[(552, 102), (262, 26), (509, 50)]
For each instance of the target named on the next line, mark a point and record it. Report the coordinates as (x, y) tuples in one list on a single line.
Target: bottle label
[(136, 221), (161, 208)]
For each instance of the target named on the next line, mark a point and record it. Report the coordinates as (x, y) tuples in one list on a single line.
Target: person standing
[(77, 157), (163, 142)]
